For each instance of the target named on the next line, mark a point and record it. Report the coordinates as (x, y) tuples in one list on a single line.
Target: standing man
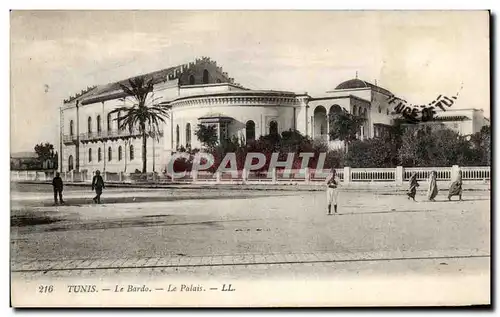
[(57, 185), (98, 185), (331, 192)]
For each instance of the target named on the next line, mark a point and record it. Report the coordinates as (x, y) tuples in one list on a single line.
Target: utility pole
[(60, 138), (77, 146)]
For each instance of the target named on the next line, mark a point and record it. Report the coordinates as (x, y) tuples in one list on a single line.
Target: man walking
[(332, 193), (98, 185), (57, 185)]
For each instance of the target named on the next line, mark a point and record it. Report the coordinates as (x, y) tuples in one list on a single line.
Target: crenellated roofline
[(113, 90)]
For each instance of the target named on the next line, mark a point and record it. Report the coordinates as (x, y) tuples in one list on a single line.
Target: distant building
[(29, 161), (463, 121), (23, 160)]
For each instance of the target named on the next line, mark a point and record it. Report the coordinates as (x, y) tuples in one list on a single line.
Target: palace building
[(202, 93)]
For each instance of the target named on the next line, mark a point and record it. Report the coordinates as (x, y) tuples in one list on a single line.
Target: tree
[(486, 143), (45, 151), (144, 114), (426, 146), (207, 135), (481, 144), (371, 153), (344, 126)]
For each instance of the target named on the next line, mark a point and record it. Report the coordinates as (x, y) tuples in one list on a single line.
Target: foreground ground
[(257, 236)]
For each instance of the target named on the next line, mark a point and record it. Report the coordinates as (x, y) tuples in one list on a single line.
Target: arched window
[(70, 163), (120, 153), (354, 110), (188, 134), (110, 154), (98, 123), (89, 125), (131, 152), (205, 76), (71, 128), (177, 136), (191, 80), (273, 127), (110, 122), (322, 129), (90, 155), (99, 154), (250, 130)]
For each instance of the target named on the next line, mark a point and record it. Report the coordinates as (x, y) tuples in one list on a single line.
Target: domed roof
[(353, 83), (358, 83)]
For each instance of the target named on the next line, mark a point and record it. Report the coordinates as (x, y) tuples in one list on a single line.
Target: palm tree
[(344, 126), (144, 113)]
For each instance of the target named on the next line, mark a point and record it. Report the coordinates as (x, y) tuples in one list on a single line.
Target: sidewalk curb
[(232, 260)]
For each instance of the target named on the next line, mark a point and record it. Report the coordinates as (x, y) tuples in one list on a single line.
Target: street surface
[(257, 235)]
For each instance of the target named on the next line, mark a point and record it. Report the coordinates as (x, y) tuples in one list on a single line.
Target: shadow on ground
[(141, 199)]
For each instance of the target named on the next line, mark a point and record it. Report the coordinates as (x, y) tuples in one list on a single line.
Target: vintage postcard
[(250, 158)]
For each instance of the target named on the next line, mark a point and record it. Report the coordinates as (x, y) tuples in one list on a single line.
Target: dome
[(358, 83), (353, 83)]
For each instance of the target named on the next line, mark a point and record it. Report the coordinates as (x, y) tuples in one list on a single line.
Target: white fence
[(423, 173), (373, 174), (396, 175)]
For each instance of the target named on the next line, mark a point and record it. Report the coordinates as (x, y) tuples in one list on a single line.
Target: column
[(244, 175), (399, 175), (347, 175), (307, 120), (312, 127), (194, 175), (327, 127), (307, 175), (274, 175), (454, 172)]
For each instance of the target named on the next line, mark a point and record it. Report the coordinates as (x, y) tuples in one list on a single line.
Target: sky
[(415, 55)]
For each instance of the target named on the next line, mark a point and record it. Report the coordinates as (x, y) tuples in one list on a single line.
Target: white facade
[(201, 93)]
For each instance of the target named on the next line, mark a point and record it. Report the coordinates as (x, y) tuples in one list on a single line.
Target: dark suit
[(98, 185), (57, 185)]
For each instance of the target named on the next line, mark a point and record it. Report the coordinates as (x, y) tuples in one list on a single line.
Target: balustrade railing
[(423, 173), (475, 173), (373, 174), (100, 135), (397, 175)]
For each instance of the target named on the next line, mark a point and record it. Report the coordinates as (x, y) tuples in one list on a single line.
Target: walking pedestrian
[(433, 190), (412, 191), (98, 185), (456, 187), (57, 185), (332, 192)]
